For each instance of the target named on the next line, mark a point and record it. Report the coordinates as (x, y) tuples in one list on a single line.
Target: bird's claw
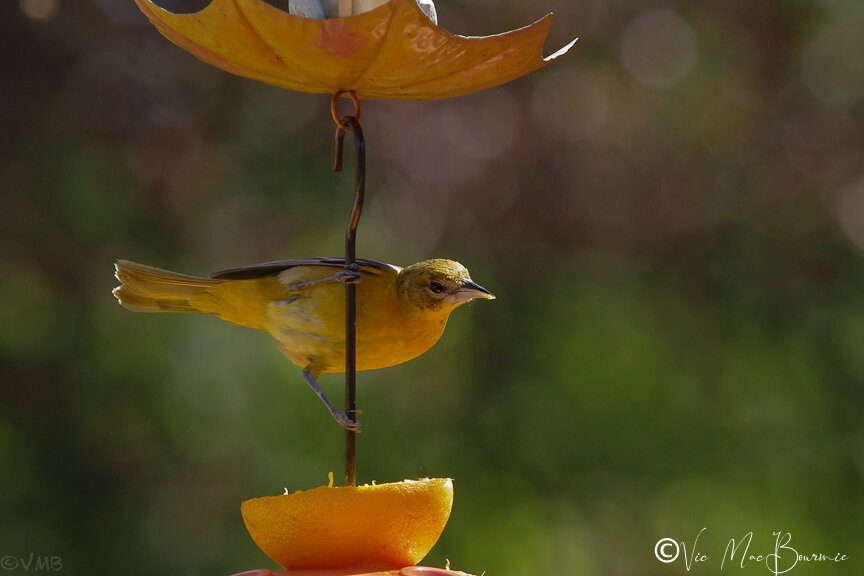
[(346, 422), (350, 275)]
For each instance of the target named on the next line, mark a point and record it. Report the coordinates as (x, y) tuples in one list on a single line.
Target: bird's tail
[(148, 289)]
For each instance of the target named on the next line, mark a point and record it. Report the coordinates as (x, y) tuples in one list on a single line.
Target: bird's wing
[(277, 266)]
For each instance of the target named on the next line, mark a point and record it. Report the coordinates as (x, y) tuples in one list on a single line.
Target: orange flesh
[(372, 527)]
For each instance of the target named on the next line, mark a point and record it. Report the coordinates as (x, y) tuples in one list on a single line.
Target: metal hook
[(333, 107), (351, 123)]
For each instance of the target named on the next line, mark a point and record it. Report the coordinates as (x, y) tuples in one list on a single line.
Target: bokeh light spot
[(659, 48), (829, 67), (39, 9)]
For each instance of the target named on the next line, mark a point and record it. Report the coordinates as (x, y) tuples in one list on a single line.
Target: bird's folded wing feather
[(277, 266)]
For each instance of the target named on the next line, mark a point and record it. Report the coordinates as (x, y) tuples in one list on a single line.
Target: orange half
[(371, 527)]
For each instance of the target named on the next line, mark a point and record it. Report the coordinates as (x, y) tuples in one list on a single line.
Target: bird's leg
[(349, 276), (341, 418)]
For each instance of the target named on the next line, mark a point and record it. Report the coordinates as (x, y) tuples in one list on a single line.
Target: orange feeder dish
[(363, 528), (393, 51)]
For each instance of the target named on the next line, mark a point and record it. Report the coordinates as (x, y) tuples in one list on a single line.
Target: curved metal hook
[(334, 104), (351, 123)]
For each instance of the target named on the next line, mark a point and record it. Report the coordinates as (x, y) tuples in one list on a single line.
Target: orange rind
[(393, 51), (365, 528)]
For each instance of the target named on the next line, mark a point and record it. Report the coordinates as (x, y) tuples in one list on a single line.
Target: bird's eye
[(436, 287)]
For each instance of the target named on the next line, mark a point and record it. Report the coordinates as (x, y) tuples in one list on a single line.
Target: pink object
[(407, 571)]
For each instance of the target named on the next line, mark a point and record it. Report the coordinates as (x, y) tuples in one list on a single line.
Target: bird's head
[(438, 285)]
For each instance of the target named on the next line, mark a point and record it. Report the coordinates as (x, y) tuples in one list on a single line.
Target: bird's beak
[(471, 290)]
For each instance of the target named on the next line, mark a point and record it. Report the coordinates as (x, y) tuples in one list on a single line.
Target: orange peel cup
[(351, 529), (393, 51)]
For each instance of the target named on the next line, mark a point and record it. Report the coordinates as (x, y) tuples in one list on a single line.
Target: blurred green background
[(671, 216)]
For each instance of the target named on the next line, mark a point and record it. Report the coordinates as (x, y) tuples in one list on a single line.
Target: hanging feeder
[(393, 51)]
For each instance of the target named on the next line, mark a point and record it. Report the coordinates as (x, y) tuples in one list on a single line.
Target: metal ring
[(335, 113)]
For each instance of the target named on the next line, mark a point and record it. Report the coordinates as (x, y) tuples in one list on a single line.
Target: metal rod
[(351, 123)]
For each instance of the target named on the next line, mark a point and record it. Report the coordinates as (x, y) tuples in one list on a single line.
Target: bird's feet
[(345, 421), (348, 276), (341, 417), (351, 275)]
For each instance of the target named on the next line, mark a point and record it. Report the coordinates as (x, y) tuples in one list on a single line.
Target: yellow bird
[(401, 312)]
